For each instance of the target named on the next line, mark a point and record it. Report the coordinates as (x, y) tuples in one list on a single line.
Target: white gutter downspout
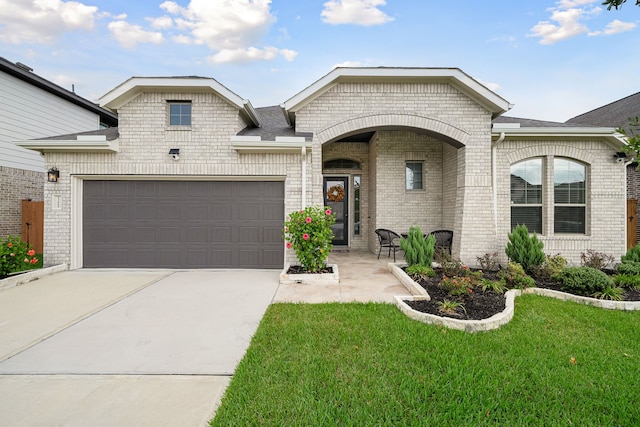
[(303, 155), (494, 171)]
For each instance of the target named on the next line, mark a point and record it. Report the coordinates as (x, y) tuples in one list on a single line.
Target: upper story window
[(179, 113), (341, 164), (526, 195), (414, 175)]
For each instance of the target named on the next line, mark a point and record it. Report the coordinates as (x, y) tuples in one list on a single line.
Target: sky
[(551, 59)]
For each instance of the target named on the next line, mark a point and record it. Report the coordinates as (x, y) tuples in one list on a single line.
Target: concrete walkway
[(146, 348)]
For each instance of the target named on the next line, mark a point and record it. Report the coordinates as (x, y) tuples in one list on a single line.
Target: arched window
[(526, 194), (569, 196), (341, 164)]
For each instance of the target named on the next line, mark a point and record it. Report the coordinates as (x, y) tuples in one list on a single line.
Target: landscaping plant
[(15, 256), (489, 261), (632, 255), (629, 267), (596, 259), (613, 293), (420, 271), (514, 277), (309, 233), (585, 281), (418, 250), (628, 281), (552, 265), (524, 249)]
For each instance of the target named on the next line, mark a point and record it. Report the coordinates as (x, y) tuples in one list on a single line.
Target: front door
[(336, 197)]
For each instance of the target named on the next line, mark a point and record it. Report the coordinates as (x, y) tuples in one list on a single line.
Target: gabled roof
[(27, 75), (615, 114), (134, 86), (456, 77)]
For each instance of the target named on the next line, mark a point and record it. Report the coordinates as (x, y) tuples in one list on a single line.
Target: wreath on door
[(335, 193)]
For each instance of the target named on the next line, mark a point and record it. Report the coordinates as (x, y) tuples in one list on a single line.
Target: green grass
[(368, 364)]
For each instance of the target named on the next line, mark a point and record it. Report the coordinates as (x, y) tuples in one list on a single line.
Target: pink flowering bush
[(15, 256), (309, 233)]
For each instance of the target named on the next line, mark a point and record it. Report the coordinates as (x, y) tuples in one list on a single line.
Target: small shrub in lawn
[(492, 285), (524, 249), (627, 281), (632, 255), (584, 281), (489, 261), (418, 250), (596, 259), (552, 265), (613, 293), (420, 271), (629, 267), (514, 277), (457, 285)]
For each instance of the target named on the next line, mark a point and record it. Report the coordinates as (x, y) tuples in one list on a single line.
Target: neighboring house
[(32, 107), (617, 115), (198, 178)]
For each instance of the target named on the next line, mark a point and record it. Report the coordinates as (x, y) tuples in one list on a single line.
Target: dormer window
[(179, 113)]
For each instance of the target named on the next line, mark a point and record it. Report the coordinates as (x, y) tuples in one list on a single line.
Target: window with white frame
[(564, 211), (569, 196), (526, 195), (179, 113), (414, 175)]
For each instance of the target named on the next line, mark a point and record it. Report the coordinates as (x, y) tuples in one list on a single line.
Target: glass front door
[(336, 197)]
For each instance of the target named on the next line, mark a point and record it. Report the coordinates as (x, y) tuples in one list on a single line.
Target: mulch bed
[(297, 269), (478, 304)]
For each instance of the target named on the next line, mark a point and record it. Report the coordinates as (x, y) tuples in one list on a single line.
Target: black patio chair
[(387, 239), (444, 240)]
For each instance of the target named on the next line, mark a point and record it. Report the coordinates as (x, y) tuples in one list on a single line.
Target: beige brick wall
[(16, 185), (606, 204), (145, 140)]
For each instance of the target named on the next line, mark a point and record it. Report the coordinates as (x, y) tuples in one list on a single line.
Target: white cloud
[(228, 25), (358, 12), (568, 17), (41, 21), (348, 64), (161, 23), (129, 36), (250, 54), (182, 39)]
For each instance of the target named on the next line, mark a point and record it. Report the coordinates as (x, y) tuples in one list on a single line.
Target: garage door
[(183, 224)]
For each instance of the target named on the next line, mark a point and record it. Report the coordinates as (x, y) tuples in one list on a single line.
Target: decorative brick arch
[(395, 121), (547, 149)]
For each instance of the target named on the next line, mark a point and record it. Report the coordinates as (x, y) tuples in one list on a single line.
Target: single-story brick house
[(196, 177)]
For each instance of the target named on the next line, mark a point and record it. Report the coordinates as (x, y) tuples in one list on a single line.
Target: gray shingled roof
[(273, 123), (531, 123), (615, 114), (111, 134)]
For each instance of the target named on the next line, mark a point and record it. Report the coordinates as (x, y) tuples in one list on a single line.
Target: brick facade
[(16, 185)]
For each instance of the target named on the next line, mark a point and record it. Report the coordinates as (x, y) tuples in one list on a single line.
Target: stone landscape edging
[(418, 293), (23, 278), (310, 278)]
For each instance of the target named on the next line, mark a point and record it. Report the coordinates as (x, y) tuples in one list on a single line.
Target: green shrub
[(595, 259), (457, 285), (628, 281), (632, 255), (15, 256), (420, 271), (524, 249), (514, 277), (629, 267), (552, 265), (418, 250), (613, 293), (584, 281), (309, 233)]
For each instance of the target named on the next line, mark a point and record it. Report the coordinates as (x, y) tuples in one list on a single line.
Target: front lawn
[(555, 363)]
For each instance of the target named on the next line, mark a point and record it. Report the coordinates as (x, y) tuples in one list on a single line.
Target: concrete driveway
[(126, 348)]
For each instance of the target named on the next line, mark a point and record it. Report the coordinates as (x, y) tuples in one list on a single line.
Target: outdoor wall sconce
[(620, 156), (53, 174), (174, 153)]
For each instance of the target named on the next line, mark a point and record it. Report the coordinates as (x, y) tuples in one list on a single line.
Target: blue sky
[(552, 59)]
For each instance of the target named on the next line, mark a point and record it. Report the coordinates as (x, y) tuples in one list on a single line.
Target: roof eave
[(609, 134), (95, 144)]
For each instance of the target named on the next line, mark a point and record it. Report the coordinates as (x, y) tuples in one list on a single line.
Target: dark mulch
[(297, 269), (478, 304)]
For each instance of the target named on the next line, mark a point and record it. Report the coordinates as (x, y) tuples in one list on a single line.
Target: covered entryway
[(183, 224)]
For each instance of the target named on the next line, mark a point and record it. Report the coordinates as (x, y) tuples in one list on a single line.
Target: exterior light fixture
[(53, 174), (174, 153), (620, 156)]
